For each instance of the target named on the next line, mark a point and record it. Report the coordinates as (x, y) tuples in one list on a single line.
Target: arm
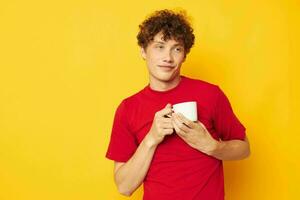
[(130, 175), (198, 137), (231, 150), (233, 146)]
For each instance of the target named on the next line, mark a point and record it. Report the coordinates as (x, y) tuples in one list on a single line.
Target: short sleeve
[(122, 142), (226, 123)]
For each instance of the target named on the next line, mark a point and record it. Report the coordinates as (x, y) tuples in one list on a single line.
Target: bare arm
[(198, 137), (231, 150), (129, 176)]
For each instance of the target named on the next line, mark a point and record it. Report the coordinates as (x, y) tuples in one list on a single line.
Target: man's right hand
[(130, 175), (161, 126)]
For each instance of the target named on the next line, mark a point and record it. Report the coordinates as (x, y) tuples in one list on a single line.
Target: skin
[(164, 60)]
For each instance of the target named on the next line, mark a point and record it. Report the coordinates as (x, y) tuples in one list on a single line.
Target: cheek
[(180, 59), (153, 58), (151, 62)]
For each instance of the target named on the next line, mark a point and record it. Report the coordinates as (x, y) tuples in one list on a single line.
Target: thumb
[(166, 110), (168, 105)]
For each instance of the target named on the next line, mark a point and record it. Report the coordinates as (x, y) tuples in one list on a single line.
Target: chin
[(165, 77)]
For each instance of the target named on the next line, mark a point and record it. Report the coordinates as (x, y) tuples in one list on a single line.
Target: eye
[(178, 49)]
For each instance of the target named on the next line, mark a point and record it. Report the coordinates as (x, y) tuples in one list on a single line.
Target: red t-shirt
[(177, 171)]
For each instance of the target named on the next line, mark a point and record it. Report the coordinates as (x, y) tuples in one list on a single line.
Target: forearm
[(231, 150), (130, 175)]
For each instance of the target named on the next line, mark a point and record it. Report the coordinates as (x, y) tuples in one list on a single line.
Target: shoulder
[(204, 86), (132, 100)]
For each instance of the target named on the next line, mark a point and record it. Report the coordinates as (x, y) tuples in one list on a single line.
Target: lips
[(166, 66)]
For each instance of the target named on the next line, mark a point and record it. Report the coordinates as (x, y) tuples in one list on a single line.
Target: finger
[(164, 123), (186, 121), (168, 131), (202, 125), (165, 111), (180, 124), (167, 125), (168, 116), (178, 130), (166, 120)]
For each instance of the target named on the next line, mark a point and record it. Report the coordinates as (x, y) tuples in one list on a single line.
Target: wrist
[(150, 141), (215, 148)]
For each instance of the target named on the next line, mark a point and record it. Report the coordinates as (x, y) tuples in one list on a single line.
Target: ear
[(143, 53)]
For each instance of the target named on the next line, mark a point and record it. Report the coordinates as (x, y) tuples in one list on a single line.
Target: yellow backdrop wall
[(66, 65)]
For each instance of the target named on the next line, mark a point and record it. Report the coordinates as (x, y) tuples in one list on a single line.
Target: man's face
[(163, 58)]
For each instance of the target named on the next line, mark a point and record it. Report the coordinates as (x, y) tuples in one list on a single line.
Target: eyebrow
[(160, 42)]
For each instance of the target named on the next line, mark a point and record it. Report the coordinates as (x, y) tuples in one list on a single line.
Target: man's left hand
[(194, 134)]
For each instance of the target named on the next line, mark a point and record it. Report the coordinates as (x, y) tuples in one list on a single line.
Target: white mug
[(187, 109)]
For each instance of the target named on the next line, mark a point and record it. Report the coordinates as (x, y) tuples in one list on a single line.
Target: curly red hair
[(173, 25)]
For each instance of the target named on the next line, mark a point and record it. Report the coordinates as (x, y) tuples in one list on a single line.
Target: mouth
[(166, 66)]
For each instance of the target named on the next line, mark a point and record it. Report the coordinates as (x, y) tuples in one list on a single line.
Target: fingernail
[(167, 116)]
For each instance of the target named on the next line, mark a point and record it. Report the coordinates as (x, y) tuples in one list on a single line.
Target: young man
[(175, 158)]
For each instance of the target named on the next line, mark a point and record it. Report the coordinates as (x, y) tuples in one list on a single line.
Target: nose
[(168, 58)]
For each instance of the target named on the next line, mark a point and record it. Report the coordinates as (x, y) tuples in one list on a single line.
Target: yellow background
[(66, 65)]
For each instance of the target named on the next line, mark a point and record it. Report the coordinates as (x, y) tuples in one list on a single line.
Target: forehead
[(158, 38)]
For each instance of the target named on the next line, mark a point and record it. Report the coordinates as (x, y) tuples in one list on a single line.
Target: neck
[(164, 85)]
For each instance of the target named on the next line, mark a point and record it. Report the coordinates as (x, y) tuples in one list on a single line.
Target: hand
[(194, 134), (161, 126)]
